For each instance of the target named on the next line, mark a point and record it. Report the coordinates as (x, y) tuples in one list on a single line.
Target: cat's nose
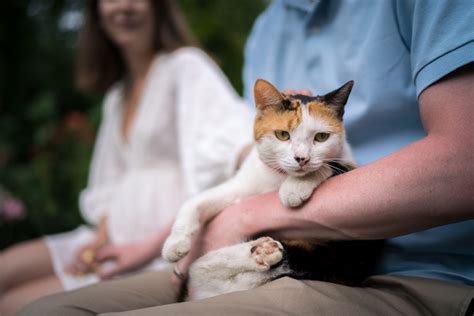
[(301, 160)]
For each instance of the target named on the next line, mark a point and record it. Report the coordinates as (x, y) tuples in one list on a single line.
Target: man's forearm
[(411, 190)]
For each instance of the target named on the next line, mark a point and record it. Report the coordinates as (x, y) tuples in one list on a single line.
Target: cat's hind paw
[(176, 247), (266, 252)]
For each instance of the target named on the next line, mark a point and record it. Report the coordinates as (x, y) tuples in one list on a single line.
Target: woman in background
[(169, 130)]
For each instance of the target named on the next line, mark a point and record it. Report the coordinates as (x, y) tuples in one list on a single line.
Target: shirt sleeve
[(214, 122), (105, 169), (440, 39)]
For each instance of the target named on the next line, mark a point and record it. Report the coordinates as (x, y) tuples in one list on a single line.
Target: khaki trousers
[(152, 294)]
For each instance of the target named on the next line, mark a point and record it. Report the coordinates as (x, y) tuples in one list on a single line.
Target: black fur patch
[(304, 98), (286, 105), (339, 168), (343, 262)]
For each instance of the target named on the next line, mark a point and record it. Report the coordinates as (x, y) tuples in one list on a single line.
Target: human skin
[(426, 184), (82, 265)]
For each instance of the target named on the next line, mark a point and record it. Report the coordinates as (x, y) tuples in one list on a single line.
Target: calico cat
[(299, 143)]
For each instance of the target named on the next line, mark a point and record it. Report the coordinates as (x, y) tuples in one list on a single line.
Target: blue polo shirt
[(393, 50)]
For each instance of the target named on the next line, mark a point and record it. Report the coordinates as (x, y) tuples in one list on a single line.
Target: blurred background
[(47, 128)]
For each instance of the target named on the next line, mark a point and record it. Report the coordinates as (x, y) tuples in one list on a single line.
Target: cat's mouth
[(300, 171)]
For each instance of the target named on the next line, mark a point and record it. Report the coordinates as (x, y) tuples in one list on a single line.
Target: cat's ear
[(337, 99), (266, 94)]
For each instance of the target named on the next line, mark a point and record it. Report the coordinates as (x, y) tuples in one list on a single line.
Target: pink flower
[(12, 209)]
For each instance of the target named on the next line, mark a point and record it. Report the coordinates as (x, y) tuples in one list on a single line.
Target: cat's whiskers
[(334, 168), (274, 165), (345, 162), (349, 162)]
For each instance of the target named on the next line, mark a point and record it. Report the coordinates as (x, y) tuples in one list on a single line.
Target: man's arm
[(426, 184)]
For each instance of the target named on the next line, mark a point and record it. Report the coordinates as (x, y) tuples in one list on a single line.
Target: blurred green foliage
[(47, 128)]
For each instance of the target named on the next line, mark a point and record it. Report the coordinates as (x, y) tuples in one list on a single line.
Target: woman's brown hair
[(99, 63)]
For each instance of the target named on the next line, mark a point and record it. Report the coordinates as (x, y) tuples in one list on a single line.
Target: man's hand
[(306, 92)]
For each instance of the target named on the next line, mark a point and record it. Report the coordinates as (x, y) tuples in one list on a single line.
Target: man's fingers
[(184, 263), (306, 92)]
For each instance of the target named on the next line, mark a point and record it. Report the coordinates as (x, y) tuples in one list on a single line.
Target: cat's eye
[(282, 135), (321, 137)]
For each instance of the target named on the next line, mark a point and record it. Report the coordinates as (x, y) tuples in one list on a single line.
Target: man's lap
[(148, 294)]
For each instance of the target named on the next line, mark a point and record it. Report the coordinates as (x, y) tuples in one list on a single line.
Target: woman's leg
[(26, 273), (18, 297), (147, 289), (24, 262)]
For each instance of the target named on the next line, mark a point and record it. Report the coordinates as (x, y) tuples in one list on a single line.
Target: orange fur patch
[(321, 110), (272, 119)]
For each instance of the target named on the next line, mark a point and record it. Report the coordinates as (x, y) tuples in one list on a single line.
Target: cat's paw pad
[(176, 247), (266, 252)]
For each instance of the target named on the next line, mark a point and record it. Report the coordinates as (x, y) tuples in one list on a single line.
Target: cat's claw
[(176, 247), (266, 252)]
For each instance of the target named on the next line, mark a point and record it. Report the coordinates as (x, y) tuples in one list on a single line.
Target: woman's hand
[(85, 260), (131, 256), (127, 257)]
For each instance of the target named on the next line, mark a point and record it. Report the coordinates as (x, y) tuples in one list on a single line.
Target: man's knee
[(54, 305)]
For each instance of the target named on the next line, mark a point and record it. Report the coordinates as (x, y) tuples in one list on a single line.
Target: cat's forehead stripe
[(273, 119), (319, 109)]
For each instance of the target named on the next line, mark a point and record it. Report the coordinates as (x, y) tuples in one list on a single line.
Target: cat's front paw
[(292, 198), (294, 194), (266, 252), (176, 247)]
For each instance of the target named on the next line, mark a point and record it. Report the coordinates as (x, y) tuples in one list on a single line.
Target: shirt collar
[(305, 5)]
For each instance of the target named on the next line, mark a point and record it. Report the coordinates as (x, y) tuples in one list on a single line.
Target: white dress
[(189, 127)]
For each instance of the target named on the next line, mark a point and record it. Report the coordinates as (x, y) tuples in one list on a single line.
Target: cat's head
[(296, 134)]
